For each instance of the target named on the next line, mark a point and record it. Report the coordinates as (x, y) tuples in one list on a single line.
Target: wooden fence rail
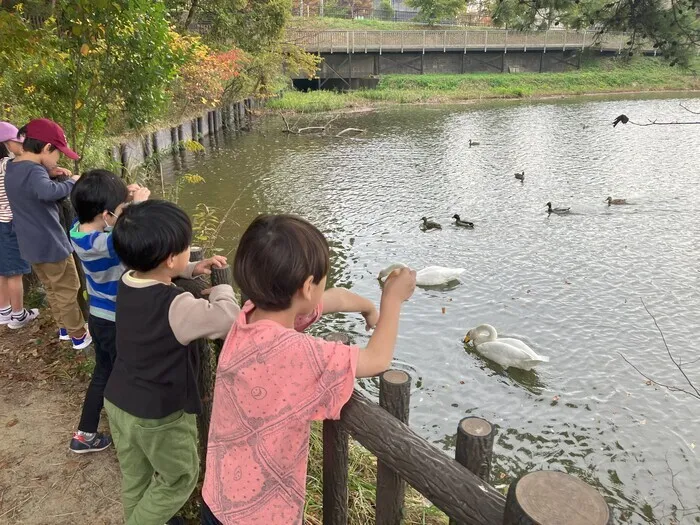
[(459, 487)]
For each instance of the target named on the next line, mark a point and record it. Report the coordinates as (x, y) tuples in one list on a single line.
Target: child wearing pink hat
[(12, 266)]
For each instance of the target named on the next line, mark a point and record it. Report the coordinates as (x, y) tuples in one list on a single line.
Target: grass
[(643, 74), (362, 478), (327, 23)]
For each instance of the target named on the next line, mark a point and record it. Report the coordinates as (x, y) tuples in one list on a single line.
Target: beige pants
[(60, 279)]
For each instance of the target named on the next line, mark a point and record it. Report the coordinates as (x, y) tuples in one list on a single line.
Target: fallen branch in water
[(310, 130), (691, 390), (350, 130)]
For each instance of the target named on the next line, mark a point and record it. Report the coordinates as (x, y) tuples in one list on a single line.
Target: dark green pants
[(159, 463)]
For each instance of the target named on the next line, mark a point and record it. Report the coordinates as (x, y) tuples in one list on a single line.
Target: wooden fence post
[(475, 447), (394, 396), (335, 465), (552, 498)]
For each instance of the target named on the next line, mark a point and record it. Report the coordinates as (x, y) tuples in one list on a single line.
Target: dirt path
[(41, 391)]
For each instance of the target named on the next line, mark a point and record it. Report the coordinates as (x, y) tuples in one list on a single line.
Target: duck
[(428, 276), (430, 225), (507, 352), (558, 211), (460, 222), (612, 201), (473, 143), (520, 176)]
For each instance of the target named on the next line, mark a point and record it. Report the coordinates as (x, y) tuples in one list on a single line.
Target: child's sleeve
[(192, 318), (332, 375), (46, 189), (187, 273)]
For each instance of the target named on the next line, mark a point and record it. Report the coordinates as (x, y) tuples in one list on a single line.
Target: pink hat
[(9, 132)]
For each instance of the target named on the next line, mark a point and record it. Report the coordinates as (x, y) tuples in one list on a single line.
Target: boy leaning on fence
[(152, 396), (42, 239), (98, 199)]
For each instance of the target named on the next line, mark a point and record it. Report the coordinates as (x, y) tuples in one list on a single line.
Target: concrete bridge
[(352, 58)]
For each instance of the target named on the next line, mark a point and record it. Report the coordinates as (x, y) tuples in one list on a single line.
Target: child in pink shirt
[(273, 380)]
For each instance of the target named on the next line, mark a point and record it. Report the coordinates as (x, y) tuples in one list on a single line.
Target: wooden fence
[(459, 487), (455, 40)]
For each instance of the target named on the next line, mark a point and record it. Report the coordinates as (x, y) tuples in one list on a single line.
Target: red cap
[(47, 130)]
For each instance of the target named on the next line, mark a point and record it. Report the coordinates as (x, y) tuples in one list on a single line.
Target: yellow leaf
[(84, 49), (78, 104)]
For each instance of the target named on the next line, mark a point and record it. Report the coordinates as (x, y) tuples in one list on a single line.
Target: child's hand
[(137, 193), (141, 195), (57, 171), (204, 267), (400, 284), (371, 318)]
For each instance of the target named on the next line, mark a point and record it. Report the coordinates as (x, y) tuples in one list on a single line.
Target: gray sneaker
[(23, 319)]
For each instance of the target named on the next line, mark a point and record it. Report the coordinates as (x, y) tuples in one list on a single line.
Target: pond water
[(570, 286)]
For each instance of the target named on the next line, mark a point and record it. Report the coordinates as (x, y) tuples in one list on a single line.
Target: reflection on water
[(569, 285)]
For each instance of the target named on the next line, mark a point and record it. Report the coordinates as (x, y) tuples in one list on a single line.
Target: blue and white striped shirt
[(102, 267)]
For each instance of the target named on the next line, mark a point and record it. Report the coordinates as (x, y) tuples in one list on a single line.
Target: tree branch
[(688, 109), (692, 391)]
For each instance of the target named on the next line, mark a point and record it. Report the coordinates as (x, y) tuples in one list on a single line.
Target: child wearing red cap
[(42, 240)]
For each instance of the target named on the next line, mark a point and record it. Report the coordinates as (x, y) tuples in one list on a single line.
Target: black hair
[(149, 232), (4, 152), (95, 192), (276, 255), (33, 145)]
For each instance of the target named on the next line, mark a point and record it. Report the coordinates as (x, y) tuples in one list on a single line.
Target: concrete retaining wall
[(133, 152)]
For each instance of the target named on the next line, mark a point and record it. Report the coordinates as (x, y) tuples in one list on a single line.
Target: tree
[(386, 9), (433, 11), (257, 28), (93, 60), (671, 25)]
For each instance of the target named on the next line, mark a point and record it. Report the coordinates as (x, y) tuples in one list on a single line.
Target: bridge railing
[(338, 41)]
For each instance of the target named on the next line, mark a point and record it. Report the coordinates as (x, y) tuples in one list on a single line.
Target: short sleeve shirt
[(271, 382)]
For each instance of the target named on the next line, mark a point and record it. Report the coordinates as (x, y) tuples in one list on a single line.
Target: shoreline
[(361, 105)]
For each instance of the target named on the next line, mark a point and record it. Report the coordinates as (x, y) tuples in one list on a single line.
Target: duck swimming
[(612, 201), (473, 143), (507, 352), (520, 176), (558, 211), (429, 276), (430, 225), (460, 222)]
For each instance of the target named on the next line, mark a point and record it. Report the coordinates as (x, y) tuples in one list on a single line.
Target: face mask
[(109, 228)]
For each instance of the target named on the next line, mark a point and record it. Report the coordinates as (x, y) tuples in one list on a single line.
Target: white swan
[(506, 352), (429, 276)]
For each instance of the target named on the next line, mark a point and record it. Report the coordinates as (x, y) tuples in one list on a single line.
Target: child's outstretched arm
[(342, 300), (376, 357), (48, 190)]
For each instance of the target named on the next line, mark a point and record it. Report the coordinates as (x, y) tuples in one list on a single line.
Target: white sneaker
[(29, 316), (82, 342), (5, 319), (63, 335)]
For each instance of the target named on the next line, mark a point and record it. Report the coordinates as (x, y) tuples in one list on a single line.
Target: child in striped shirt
[(98, 198)]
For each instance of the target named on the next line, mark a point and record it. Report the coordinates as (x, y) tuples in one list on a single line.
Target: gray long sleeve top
[(33, 195)]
